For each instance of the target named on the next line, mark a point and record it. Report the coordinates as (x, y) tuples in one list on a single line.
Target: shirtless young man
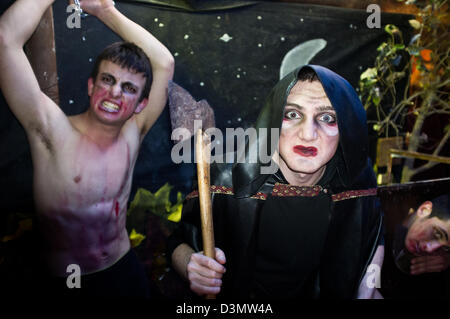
[(83, 164)]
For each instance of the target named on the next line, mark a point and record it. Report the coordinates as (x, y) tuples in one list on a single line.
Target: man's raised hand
[(95, 7)]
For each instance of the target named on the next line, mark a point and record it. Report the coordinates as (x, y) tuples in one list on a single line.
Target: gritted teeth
[(109, 106)]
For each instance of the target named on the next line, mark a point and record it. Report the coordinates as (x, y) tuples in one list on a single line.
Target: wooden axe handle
[(203, 154)]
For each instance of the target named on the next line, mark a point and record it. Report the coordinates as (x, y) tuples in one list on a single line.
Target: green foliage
[(421, 66), (157, 203), (378, 83)]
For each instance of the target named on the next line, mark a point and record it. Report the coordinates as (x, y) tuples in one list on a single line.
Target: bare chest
[(97, 174), (84, 176)]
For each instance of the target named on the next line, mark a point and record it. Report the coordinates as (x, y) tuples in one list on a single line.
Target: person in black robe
[(304, 224)]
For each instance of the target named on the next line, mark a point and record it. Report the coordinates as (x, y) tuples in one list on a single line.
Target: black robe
[(344, 235)]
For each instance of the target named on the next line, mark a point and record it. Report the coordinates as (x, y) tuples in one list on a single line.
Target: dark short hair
[(441, 207), (128, 55), (307, 74)]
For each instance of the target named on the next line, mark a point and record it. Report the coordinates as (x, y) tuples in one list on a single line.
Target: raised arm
[(161, 59), (30, 105)]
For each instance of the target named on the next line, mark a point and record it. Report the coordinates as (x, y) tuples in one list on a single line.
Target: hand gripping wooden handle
[(203, 155)]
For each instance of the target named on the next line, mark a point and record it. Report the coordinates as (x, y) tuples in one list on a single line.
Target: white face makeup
[(309, 133), (330, 130), (114, 94), (324, 121)]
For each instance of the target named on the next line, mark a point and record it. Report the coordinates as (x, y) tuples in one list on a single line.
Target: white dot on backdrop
[(90, 59), (225, 37), (161, 25), (259, 17), (176, 54), (301, 20), (238, 76), (192, 52), (219, 17), (156, 19), (282, 39), (83, 38), (71, 101), (186, 36), (202, 84), (259, 45)]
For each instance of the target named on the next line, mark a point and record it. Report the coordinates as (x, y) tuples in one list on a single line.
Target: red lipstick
[(310, 151)]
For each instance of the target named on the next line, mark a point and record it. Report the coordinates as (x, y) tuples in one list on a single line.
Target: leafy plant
[(423, 66), (157, 203)]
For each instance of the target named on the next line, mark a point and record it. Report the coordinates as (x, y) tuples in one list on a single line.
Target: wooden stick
[(203, 154), (41, 53)]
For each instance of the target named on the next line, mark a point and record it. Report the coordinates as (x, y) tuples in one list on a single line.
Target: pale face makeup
[(309, 133), (115, 93)]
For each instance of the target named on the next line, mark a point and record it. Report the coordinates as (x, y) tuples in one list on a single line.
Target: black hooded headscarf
[(352, 151)]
